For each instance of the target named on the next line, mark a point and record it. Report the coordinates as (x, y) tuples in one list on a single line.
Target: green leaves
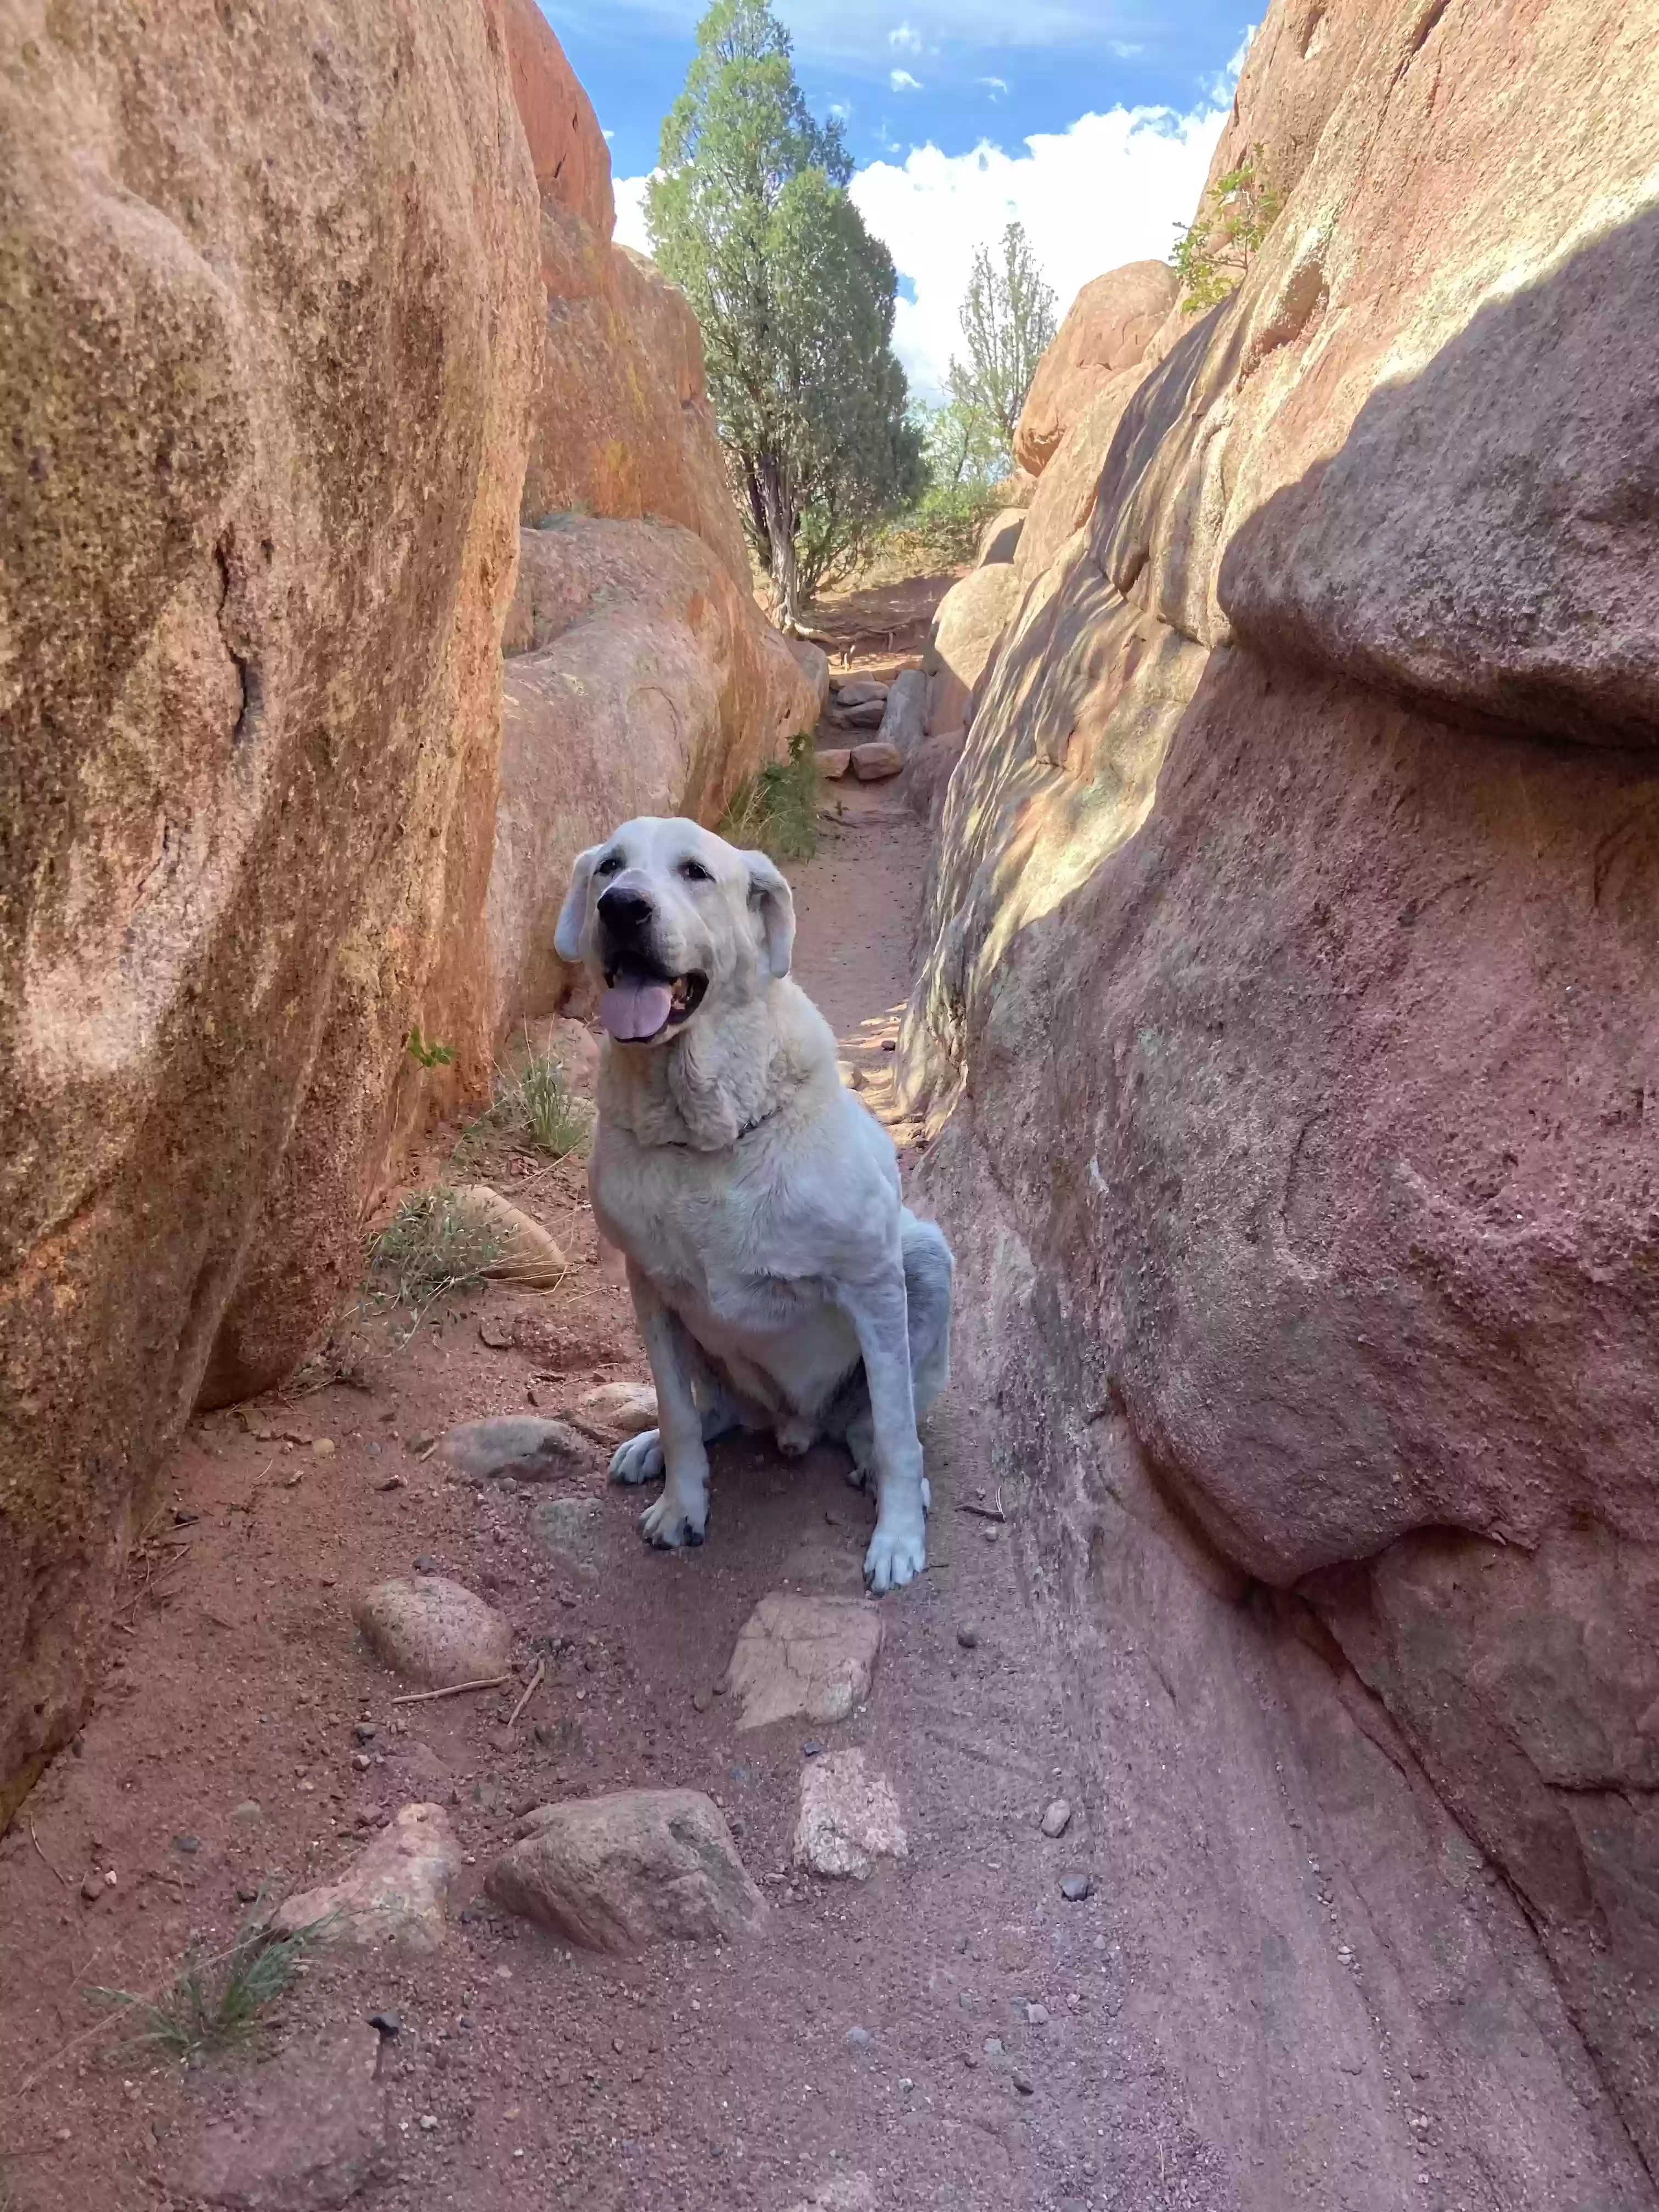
[(1215, 249), (750, 218)]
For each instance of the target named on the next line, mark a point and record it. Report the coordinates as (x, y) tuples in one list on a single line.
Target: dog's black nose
[(624, 913)]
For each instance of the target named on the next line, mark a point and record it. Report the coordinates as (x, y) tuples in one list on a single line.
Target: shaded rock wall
[(1293, 971)]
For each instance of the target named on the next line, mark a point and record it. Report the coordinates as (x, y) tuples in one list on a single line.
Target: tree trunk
[(780, 543)]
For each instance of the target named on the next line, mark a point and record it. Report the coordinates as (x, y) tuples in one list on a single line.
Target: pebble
[(702, 1700), (1036, 2015), (1023, 2082), (248, 1811), (1075, 1887), (359, 1760), (1057, 1819), (429, 2121), (967, 1635), (93, 1888), (188, 1844), (365, 1731), (323, 1447), (858, 2038), (811, 1751), (994, 2046), (425, 1564)]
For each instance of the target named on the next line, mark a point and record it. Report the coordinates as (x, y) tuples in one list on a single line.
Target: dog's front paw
[(640, 1460), (672, 1523), (895, 1556)]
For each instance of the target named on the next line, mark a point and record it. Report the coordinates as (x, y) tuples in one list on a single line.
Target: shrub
[(1213, 253), (777, 809)]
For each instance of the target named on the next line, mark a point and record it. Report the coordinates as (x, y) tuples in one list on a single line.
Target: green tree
[(1213, 253), (1008, 320), (750, 216), (961, 448)]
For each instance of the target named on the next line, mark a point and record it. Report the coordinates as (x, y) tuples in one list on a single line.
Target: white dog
[(778, 1280)]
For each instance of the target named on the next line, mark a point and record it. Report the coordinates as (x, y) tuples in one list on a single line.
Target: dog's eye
[(694, 873), (609, 865)]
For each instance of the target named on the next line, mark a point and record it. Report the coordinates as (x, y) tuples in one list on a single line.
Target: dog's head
[(675, 923)]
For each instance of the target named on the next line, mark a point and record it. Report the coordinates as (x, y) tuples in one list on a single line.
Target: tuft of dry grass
[(431, 1249), (777, 809)]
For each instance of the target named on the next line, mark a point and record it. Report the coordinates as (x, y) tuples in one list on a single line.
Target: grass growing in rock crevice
[(213, 2005), (777, 809)]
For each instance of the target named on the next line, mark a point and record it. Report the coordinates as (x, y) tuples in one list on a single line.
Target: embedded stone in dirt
[(849, 1818), (569, 1529), (434, 1633), (844, 2192), (803, 1658), (526, 1255), (833, 762), (636, 1866), (308, 2131), (523, 1444), (1057, 1818), (874, 762), (397, 1893), (625, 1408)]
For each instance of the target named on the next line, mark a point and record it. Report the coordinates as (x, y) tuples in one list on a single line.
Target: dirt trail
[(1292, 1983)]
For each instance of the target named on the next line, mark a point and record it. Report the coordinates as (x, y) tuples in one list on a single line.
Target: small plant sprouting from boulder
[(214, 2004), (428, 1055), (431, 1248), (777, 809), (1213, 253)]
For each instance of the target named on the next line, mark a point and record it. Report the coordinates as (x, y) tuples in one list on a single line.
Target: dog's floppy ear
[(772, 899), (573, 915)]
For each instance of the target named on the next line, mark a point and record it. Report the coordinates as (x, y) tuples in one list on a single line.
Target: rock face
[(264, 384), (639, 1867), (640, 679), (311, 2132), (904, 718), (397, 1892), (434, 1633), (1107, 329), (969, 620), (803, 1658), (1294, 931)]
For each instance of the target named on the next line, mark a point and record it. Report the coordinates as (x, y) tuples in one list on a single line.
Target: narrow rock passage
[(1152, 1924)]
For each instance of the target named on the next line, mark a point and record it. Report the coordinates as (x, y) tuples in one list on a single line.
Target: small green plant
[(432, 1246), (212, 2003), (429, 1055), (1213, 253), (777, 808), (531, 1110)]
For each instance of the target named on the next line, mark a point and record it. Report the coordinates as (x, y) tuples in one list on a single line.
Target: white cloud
[(907, 40), (630, 213), (901, 81), (1108, 190), (996, 86)]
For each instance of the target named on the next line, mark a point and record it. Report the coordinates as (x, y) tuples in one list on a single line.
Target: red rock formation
[(1107, 329), (1295, 927)]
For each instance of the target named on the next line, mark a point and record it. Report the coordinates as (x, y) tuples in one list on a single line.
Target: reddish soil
[(686, 2077), (880, 629)]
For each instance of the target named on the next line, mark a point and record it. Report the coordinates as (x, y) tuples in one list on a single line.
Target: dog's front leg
[(680, 1515), (898, 1550)]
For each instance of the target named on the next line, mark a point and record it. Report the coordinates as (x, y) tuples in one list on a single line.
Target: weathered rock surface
[(1064, 497), (641, 680), (848, 1818), (863, 714), (1107, 329), (859, 692), (397, 1893), (263, 386), (570, 1529), (1294, 920), (834, 762), (999, 539), (310, 2131), (814, 664), (527, 1445), (622, 1409), (619, 1872), (904, 720), (434, 1633), (969, 620), (526, 1252), (874, 762), (800, 1657)]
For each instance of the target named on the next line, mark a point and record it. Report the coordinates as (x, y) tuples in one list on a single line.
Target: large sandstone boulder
[(1293, 931), (1064, 497), (1107, 329), (967, 624), (641, 680), (265, 376)]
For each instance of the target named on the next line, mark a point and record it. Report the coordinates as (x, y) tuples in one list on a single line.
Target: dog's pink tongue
[(631, 1011)]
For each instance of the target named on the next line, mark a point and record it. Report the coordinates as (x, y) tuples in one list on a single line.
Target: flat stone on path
[(434, 1633), (569, 1529), (637, 1867), (397, 1893), (310, 2130), (803, 1658), (849, 1818), (525, 1445)]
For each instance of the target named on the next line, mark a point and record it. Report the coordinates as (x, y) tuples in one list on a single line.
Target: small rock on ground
[(833, 762), (1056, 1818), (1075, 1887), (397, 1893), (849, 1818), (521, 1444), (803, 1658), (618, 1872), (570, 1529), (859, 692), (845, 2192), (624, 1409), (875, 762), (524, 1251), (310, 2130), (434, 1633)]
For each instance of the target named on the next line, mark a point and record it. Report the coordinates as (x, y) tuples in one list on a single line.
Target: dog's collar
[(684, 1143)]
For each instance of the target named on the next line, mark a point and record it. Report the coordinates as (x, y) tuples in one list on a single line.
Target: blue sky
[(1092, 120)]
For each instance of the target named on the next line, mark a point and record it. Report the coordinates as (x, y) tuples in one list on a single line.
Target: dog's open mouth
[(639, 1008)]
